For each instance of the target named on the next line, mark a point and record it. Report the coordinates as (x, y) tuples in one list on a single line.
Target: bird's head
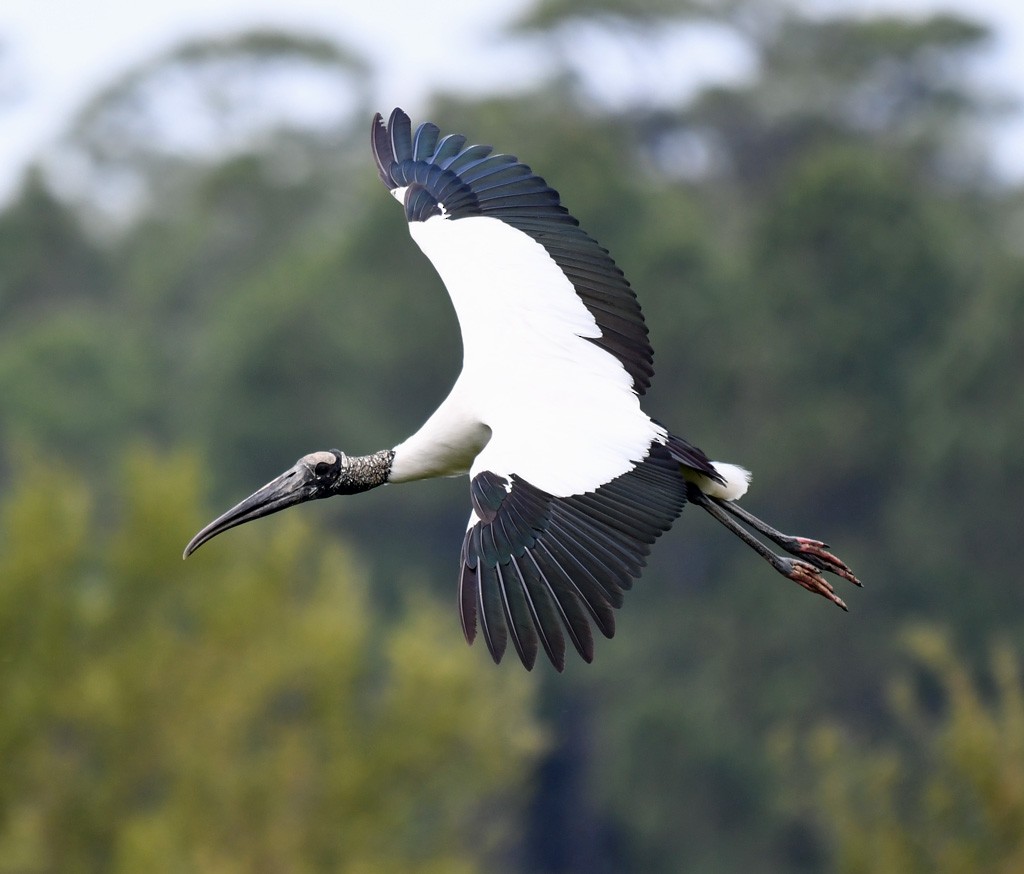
[(317, 475)]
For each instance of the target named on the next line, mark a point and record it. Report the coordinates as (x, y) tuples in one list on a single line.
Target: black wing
[(535, 563)]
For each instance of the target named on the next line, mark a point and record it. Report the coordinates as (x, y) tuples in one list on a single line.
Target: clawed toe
[(812, 557), (816, 553), (809, 577)]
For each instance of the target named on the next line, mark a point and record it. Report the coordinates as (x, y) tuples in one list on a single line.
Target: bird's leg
[(813, 551), (802, 570)]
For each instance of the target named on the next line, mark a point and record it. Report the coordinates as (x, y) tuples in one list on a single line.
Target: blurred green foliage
[(944, 792), (248, 711), (835, 293)]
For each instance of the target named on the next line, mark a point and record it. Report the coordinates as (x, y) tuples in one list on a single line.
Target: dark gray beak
[(292, 487)]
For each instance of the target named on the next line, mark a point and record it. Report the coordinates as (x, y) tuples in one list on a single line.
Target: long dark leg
[(813, 551), (805, 569)]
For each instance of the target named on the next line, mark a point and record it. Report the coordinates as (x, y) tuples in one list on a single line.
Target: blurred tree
[(71, 374), (892, 81), (136, 143), (76, 382), (247, 711), (48, 261), (943, 791)]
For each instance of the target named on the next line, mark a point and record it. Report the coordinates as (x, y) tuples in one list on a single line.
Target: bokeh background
[(201, 279)]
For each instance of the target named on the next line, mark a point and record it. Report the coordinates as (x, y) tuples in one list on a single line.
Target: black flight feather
[(535, 564)]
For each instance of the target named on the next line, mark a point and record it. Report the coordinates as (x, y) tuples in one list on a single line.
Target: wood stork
[(570, 481)]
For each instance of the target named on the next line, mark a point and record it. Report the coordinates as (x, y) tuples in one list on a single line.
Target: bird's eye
[(322, 469)]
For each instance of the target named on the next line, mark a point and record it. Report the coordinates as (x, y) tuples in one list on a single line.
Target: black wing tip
[(383, 156), (404, 157), (528, 660), (390, 141)]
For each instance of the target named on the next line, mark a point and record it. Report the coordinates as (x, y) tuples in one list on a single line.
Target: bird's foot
[(816, 553), (812, 557), (810, 577)]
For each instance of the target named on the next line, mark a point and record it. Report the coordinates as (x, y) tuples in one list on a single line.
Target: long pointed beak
[(292, 487)]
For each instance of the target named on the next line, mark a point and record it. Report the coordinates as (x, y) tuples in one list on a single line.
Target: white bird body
[(570, 480), (561, 412)]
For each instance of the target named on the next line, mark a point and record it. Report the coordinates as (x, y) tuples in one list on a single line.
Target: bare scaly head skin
[(314, 476)]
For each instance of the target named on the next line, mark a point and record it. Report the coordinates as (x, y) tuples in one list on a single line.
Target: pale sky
[(57, 53)]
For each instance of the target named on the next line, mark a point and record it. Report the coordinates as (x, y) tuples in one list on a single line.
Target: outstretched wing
[(444, 178), (534, 563)]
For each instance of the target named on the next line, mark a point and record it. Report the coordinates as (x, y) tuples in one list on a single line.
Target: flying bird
[(570, 481)]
